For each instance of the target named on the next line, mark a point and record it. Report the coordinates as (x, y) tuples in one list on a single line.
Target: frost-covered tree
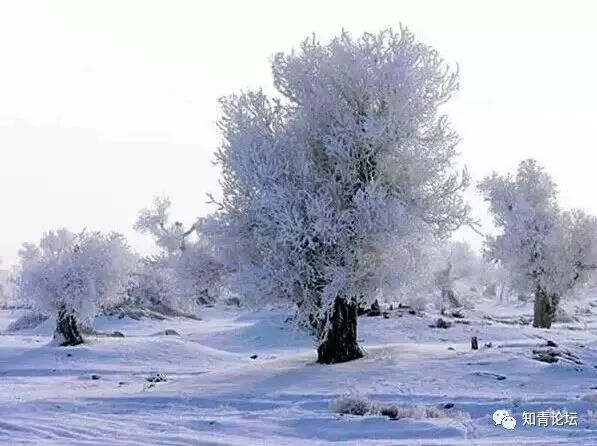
[(169, 237), (463, 260), (333, 190), (185, 272), (460, 270), (456, 261), (71, 275), (546, 251)]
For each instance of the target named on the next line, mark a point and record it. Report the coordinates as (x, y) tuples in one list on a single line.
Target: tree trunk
[(67, 329), (449, 297), (545, 308), (490, 290), (340, 341)]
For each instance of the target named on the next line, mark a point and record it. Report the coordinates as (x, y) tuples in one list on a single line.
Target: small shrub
[(355, 404), (590, 397)]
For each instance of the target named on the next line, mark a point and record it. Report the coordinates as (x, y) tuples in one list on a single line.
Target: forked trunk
[(449, 298), (340, 340), (67, 329), (545, 308)]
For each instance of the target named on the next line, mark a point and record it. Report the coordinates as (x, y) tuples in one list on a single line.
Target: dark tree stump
[(440, 323), (340, 341), (474, 343), (68, 329)]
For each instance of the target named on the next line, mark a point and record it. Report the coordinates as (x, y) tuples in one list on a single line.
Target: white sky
[(104, 104)]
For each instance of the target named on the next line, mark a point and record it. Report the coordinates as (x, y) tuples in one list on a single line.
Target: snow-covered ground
[(216, 394)]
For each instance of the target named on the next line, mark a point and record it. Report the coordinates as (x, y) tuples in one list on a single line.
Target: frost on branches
[(547, 251), (184, 273), (72, 275), (333, 190)]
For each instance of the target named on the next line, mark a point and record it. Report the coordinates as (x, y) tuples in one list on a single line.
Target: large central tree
[(332, 189)]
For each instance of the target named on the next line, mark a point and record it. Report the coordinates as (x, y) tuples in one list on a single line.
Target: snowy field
[(214, 393)]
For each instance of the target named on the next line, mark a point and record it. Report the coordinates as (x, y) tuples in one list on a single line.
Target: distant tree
[(545, 250), (464, 261), (3, 285), (459, 263), (332, 191), (185, 272), (8, 295), (71, 275), (169, 237)]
